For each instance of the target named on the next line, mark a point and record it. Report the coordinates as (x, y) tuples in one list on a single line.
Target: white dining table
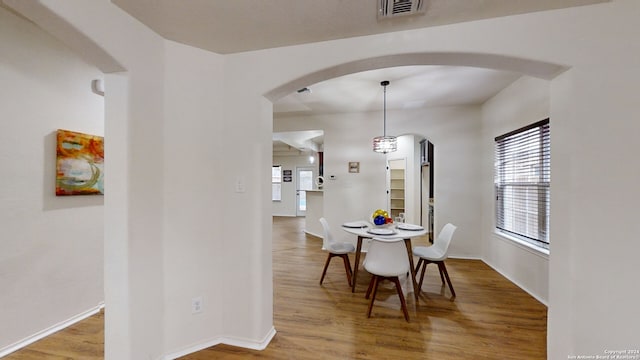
[(365, 230)]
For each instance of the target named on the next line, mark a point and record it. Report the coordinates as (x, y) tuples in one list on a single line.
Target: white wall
[(347, 137), (193, 215), (51, 262), (524, 102), (593, 103), (134, 199), (454, 132)]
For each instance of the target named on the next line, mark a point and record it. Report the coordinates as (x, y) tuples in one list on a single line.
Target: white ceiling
[(297, 142), (228, 26), (410, 87), (231, 26)]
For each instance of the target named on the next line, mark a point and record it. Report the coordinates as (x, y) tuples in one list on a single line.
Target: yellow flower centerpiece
[(381, 217)]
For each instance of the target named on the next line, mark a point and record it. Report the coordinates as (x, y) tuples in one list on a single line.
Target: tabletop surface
[(366, 227)]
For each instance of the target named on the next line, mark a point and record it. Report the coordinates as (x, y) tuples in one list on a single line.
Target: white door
[(304, 181)]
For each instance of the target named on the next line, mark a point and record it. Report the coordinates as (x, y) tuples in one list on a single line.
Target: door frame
[(298, 190)]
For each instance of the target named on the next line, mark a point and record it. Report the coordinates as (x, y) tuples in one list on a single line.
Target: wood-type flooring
[(491, 318)]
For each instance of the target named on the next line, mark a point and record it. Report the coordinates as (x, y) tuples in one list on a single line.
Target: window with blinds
[(522, 183), (276, 183)]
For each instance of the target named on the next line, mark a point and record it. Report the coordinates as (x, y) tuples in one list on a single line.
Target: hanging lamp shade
[(385, 144)]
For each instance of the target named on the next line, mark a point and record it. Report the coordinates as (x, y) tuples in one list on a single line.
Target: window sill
[(536, 250)]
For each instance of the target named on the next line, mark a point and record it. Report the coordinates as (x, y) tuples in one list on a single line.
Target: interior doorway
[(425, 196), (396, 175), (426, 187)]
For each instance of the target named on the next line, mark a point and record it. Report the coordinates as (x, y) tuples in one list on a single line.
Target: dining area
[(489, 319), (383, 248)]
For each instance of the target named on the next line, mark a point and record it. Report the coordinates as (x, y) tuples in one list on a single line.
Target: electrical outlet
[(196, 305)]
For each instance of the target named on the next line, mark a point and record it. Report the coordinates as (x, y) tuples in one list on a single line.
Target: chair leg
[(347, 266), (417, 269), (375, 290), (373, 278), (440, 270), (443, 269), (403, 303), (326, 265), (420, 261), (424, 269)]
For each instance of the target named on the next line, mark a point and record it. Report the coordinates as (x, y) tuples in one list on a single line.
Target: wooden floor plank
[(490, 318)]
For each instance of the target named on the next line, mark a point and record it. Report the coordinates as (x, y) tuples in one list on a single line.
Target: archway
[(545, 71), (539, 69), (521, 66)]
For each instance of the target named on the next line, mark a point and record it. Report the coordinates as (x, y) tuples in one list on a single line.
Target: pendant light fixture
[(385, 144)]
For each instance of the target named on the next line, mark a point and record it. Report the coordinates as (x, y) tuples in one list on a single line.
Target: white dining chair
[(386, 259), (436, 254), (335, 248)]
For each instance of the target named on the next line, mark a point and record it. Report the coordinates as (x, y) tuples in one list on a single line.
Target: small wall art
[(354, 167), (79, 164), (287, 175)]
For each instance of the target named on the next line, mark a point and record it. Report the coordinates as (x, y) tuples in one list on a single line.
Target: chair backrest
[(387, 257), (327, 238), (444, 239)]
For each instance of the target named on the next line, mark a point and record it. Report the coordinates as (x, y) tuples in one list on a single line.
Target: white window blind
[(522, 182)]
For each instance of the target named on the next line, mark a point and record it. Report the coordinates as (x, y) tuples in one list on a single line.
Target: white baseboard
[(503, 274), (46, 332), (243, 343), (544, 302), (313, 234), (461, 257)]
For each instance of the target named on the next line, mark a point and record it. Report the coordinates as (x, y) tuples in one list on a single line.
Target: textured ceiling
[(410, 87), (243, 25), (228, 26), (232, 26)]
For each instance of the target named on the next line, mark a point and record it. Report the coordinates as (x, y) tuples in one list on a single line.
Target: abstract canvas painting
[(79, 164)]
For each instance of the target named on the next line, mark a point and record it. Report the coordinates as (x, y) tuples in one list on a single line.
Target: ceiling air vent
[(392, 8)]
